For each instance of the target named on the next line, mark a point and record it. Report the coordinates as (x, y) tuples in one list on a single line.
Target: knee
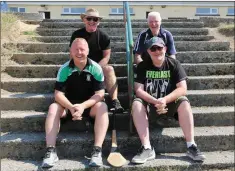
[(108, 70), (54, 110), (184, 106), (136, 105), (101, 108)]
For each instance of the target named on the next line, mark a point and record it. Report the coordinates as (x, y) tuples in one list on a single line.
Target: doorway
[(46, 14)]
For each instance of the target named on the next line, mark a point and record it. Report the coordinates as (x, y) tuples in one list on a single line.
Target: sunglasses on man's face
[(154, 48), (95, 19)]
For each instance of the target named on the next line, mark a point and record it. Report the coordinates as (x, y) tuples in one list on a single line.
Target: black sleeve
[(60, 86), (140, 73), (104, 41), (73, 37), (179, 72), (98, 85)]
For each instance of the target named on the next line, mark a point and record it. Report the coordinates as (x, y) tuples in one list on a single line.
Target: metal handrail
[(129, 57)]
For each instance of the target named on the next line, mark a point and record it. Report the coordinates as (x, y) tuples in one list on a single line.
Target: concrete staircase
[(27, 91)]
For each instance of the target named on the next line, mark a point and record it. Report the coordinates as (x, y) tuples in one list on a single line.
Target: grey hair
[(155, 14)]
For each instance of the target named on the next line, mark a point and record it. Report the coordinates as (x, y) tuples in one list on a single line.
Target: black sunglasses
[(95, 19), (154, 48)]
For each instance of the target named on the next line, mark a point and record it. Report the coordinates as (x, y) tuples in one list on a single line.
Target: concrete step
[(71, 145), (46, 85), (120, 57), (60, 39), (121, 20), (169, 161), (41, 102), (49, 71), (120, 46), (215, 161), (198, 24), (28, 121), (121, 31)]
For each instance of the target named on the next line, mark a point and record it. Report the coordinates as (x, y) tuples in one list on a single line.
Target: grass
[(7, 20), (30, 33), (227, 30)]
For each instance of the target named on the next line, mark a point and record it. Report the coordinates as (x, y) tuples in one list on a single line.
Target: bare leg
[(186, 120), (110, 81), (100, 112), (52, 124), (141, 121)]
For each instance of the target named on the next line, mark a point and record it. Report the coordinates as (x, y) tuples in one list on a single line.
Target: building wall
[(139, 10)]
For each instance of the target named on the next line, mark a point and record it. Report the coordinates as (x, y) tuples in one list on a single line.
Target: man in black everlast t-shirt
[(99, 45), (160, 87)]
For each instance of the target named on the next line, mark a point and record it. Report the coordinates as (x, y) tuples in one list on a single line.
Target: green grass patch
[(30, 33), (7, 20), (227, 30)]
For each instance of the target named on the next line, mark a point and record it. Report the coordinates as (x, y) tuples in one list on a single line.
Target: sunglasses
[(95, 19), (154, 48)]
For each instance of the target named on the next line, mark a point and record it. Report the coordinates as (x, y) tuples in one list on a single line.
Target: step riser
[(121, 70), (37, 123), (122, 25), (120, 47), (75, 148), (121, 20), (42, 103), (183, 57), (67, 39), (46, 86), (116, 32)]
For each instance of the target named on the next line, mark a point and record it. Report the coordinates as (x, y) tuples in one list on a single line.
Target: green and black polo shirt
[(78, 85)]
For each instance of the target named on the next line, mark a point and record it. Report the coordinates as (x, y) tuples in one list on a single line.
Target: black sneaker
[(117, 106), (195, 154), (96, 158), (143, 155), (50, 158)]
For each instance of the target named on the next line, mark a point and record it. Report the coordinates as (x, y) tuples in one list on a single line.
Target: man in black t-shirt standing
[(160, 87), (100, 51)]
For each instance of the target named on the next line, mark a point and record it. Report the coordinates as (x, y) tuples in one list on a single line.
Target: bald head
[(79, 49), (79, 41)]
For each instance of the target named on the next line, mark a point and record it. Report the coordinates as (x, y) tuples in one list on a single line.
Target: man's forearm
[(180, 91), (62, 100), (145, 96), (138, 59), (93, 100), (104, 61)]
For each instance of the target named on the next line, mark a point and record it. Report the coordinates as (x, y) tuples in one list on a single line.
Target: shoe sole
[(95, 165), (50, 165), (143, 161), (202, 158)]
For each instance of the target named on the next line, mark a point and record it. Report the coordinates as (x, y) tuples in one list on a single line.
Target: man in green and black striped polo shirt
[(79, 92)]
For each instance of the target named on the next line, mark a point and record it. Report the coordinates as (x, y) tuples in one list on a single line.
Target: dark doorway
[(47, 15), (147, 12)]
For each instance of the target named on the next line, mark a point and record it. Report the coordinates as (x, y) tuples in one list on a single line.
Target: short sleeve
[(179, 72), (140, 73), (104, 41), (62, 77)]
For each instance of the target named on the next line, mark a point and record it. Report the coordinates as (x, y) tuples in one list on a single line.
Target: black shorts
[(85, 116), (172, 113)]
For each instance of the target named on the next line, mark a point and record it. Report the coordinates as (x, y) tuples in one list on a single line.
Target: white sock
[(147, 146), (190, 143)]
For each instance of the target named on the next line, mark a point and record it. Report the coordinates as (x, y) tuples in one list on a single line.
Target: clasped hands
[(160, 104), (77, 111)]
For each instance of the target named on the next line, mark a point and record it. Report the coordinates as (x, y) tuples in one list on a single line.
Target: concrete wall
[(139, 11)]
